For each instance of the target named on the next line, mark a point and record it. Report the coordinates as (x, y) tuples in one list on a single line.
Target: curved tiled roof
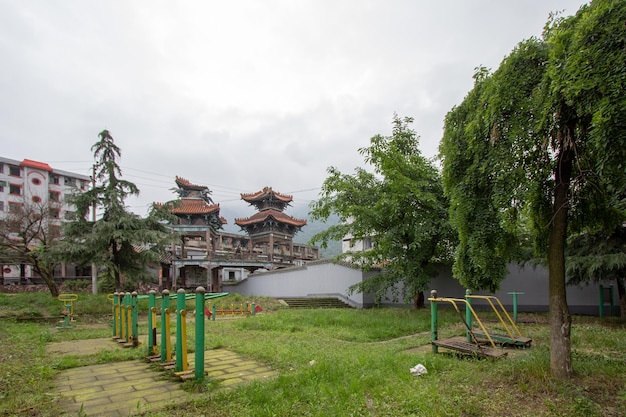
[(261, 216), (264, 193), (195, 206), (185, 183)]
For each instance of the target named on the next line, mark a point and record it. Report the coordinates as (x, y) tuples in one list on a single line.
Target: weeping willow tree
[(536, 153)]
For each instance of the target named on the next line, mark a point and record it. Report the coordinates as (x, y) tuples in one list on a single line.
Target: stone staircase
[(325, 302)]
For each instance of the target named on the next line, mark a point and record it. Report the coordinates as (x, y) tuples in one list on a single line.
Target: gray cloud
[(240, 95)]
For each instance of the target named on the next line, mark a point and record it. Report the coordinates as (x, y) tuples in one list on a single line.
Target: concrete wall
[(316, 279), (324, 278)]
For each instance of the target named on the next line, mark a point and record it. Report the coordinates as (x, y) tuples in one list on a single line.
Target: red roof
[(35, 164), (263, 215), (185, 183), (195, 206), (264, 193)]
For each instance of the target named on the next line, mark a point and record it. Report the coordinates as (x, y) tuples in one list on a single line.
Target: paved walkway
[(133, 387)]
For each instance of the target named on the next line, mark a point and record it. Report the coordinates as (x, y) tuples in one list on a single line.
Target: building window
[(1, 168), (54, 213), (54, 179), (367, 243), (15, 207), (83, 185), (14, 171), (69, 181), (55, 196), (36, 199), (1, 205), (36, 181), (15, 189)]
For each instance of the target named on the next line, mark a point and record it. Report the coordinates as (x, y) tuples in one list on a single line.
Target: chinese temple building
[(206, 255), (271, 231)]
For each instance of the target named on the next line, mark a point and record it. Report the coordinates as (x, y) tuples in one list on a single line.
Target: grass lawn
[(335, 363)]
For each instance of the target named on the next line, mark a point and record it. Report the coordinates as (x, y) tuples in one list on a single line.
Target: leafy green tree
[(399, 206), (536, 151), (598, 257), (120, 241), (27, 232)]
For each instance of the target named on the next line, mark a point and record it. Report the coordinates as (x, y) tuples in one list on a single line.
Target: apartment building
[(33, 182)]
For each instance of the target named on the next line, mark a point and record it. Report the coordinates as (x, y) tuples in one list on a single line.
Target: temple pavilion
[(207, 255), (271, 231)]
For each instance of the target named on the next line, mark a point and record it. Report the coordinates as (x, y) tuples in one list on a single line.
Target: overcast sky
[(238, 95)]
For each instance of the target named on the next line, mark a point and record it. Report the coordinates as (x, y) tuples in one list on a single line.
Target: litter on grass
[(418, 370)]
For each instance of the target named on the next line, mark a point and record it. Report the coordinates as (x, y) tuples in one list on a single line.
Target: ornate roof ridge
[(264, 192), (185, 183), (264, 214)]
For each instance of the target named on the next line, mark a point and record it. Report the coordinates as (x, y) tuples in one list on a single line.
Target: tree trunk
[(48, 277), (419, 300), (560, 319), (621, 291)]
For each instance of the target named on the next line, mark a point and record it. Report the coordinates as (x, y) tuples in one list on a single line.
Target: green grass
[(339, 363)]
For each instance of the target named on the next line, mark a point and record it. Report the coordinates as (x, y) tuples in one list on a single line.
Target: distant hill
[(314, 227)]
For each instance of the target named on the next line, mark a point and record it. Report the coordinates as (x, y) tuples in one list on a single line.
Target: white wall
[(324, 278), (319, 279)]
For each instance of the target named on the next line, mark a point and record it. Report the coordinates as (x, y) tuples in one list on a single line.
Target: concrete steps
[(325, 302)]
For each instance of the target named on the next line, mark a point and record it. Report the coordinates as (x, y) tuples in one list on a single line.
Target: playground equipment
[(180, 365), (68, 310), (456, 344), (125, 318), (513, 336), (212, 311)]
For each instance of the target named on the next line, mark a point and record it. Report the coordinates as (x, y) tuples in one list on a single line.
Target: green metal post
[(514, 294), (601, 301), (120, 317), (127, 325), (180, 306), (199, 356), (151, 323), (165, 304), (468, 315), (115, 310), (433, 320), (135, 324), (253, 312), (213, 311)]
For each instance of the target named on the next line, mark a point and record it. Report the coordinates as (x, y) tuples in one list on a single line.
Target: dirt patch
[(81, 347)]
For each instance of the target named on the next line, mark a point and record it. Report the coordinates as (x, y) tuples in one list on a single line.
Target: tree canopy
[(399, 206), (120, 241), (27, 233), (536, 151)]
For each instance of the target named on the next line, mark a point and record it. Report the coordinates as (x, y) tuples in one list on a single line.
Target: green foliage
[(120, 241), (536, 151), (502, 145), (399, 206), (361, 367)]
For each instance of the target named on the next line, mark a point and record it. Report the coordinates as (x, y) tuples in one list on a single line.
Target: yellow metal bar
[(453, 301), (511, 322), (153, 332), (183, 326), (129, 318), (166, 337)]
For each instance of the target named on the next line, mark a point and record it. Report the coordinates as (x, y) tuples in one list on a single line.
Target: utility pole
[(94, 272)]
